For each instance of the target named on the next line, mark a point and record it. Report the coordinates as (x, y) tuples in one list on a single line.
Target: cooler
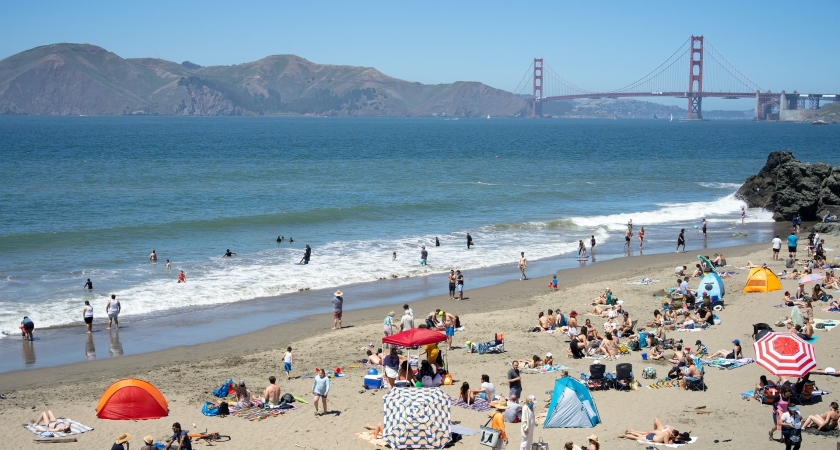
[(373, 382)]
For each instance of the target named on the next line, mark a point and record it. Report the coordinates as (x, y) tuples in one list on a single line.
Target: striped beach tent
[(416, 418)]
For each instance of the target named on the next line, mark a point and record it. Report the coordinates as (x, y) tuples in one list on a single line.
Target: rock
[(789, 187), (828, 228)]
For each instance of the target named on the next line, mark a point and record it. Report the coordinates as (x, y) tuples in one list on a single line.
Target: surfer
[(153, 256), (307, 253), (88, 285), (681, 240), (228, 254), (469, 241)]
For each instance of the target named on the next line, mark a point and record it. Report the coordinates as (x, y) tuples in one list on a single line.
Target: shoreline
[(495, 298)]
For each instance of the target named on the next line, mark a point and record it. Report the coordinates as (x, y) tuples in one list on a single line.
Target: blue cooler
[(373, 382)]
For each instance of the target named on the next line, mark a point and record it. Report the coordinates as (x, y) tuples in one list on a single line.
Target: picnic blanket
[(257, 413), (479, 405), (41, 430), (462, 430), (547, 369), (828, 325), (662, 384), (835, 433), (646, 442), (727, 364), (367, 436)]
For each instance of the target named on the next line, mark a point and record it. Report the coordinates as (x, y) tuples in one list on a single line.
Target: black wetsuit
[(88, 285), (469, 241), (307, 254)]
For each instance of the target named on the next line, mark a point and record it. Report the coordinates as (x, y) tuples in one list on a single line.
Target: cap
[(597, 361), (548, 354), (242, 382), (736, 342)]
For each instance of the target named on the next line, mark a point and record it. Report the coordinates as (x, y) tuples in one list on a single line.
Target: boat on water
[(672, 118), (488, 116), (819, 122)]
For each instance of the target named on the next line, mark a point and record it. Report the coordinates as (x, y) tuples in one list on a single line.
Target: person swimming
[(279, 238), (228, 254)]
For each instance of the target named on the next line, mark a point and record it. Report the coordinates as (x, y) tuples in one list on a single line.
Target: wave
[(711, 185)]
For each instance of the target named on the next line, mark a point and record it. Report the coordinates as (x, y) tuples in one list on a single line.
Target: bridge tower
[(695, 79), (538, 87)]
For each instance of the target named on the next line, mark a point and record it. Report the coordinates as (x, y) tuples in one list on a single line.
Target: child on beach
[(287, 363)]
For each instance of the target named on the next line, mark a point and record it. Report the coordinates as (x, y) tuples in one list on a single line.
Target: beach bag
[(287, 398), (539, 445), (635, 346), (209, 409), (488, 437), (224, 410), (649, 373), (224, 389), (622, 349)]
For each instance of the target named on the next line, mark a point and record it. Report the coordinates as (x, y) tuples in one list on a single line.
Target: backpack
[(223, 409), (287, 398), (635, 346)]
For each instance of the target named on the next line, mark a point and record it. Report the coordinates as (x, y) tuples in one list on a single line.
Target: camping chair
[(769, 395), (805, 396), (623, 376), (497, 345), (699, 385), (596, 379)]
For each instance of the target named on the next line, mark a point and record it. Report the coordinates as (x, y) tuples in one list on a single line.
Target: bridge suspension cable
[(661, 78), (725, 77), (520, 88)]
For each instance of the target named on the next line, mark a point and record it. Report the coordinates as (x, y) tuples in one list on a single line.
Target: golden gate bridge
[(708, 73)]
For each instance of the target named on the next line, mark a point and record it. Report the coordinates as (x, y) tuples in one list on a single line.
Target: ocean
[(91, 197)]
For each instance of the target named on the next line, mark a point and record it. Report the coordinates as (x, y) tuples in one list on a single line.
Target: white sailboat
[(672, 118), (488, 116)]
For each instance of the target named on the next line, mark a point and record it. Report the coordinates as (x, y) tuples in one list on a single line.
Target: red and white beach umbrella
[(785, 354)]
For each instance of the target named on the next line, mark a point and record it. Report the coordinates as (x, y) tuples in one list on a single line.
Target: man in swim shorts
[(681, 240), (703, 226), (113, 309), (287, 363), (272, 392), (26, 327), (523, 261), (451, 285), (459, 282), (792, 239), (627, 239), (424, 255)]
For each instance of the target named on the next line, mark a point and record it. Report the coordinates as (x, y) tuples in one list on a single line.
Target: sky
[(597, 45)]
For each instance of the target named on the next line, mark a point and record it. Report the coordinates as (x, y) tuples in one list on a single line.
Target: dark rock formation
[(789, 187), (828, 228)]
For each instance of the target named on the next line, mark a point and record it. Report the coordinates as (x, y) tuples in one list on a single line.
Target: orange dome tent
[(762, 279), (131, 399)]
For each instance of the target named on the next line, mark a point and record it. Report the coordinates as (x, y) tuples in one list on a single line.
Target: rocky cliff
[(86, 79), (789, 187)]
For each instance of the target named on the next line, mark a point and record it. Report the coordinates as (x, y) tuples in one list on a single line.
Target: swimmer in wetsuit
[(228, 254), (306, 255), (88, 285), (291, 240), (279, 238)]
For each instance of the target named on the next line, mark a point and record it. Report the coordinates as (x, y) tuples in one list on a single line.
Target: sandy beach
[(187, 375)]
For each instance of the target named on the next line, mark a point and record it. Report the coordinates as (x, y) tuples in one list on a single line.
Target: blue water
[(90, 197)]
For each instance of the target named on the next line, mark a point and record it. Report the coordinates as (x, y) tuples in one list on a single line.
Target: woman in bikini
[(826, 421), (52, 424), (466, 395)]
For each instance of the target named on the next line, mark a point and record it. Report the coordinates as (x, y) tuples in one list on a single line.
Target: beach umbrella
[(416, 418), (810, 278), (785, 354)]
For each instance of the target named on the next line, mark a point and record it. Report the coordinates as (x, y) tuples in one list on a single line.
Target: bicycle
[(209, 437)]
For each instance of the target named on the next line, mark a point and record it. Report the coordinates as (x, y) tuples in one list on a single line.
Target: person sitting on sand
[(706, 317), (626, 326), (807, 328), (243, 395), (789, 301), (542, 322), (818, 293), (487, 390), (658, 319), (404, 373), (592, 333), (655, 352), (736, 352), (548, 360), (800, 291), (578, 347), (609, 346), (52, 424), (272, 392), (465, 394), (375, 431), (826, 421), (797, 330), (698, 271), (763, 382), (604, 299), (552, 321), (831, 281), (680, 271), (719, 260), (371, 358), (531, 363), (687, 323)]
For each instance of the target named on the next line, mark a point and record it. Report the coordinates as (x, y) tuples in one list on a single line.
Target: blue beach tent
[(571, 406), (713, 285)]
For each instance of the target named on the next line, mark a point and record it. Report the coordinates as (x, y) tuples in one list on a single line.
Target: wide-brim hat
[(338, 293), (501, 404), (392, 314), (149, 439), (122, 438), (573, 314), (593, 437)]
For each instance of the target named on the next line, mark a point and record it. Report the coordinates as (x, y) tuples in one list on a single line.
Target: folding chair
[(596, 379), (623, 376)]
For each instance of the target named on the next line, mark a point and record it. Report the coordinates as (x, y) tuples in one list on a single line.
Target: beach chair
[(623, 376), (699, 385), (805, 397), (597, 379), (497, 345)]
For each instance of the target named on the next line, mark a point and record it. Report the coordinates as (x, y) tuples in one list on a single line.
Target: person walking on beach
[(469, 241), (627, 238), (451, 285), (406, 322), (681, 240), (514, 380), (287, 363), (529, 423), (87, 314), (113, 310), (423, 255), (459, 281), (338, 304), (320, 390), (522, 263), (792, 239), (307, 253), (228, 254), (641, 237), (153, 256), (703, 226), (88, 285), (777, 245), (592, 245)]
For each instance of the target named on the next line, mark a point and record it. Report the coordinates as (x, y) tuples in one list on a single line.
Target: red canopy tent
[(416, 337)]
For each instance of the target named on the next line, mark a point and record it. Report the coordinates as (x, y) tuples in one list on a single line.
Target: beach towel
[(256, 413), (835, 433), (546, 369), (479, 405), (748, 394), (692, 329), (662, 384), (367, 436), (831, 310), (41, 430), (726, 364), (462, 430), (643, 281), (646, 442), (827, 325), (812, 340)]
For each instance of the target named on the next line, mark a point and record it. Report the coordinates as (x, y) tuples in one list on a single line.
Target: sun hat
[(573, 313), (593, 438), (531, 398), (392, 314), (501, 404), (338, 293), (736, 342), (149, 439), (122, 438)]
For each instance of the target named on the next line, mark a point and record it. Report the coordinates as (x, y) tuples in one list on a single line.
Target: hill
[(63, 79)]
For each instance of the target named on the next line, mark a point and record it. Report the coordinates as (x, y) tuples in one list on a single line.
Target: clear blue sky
[(598, 45)]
